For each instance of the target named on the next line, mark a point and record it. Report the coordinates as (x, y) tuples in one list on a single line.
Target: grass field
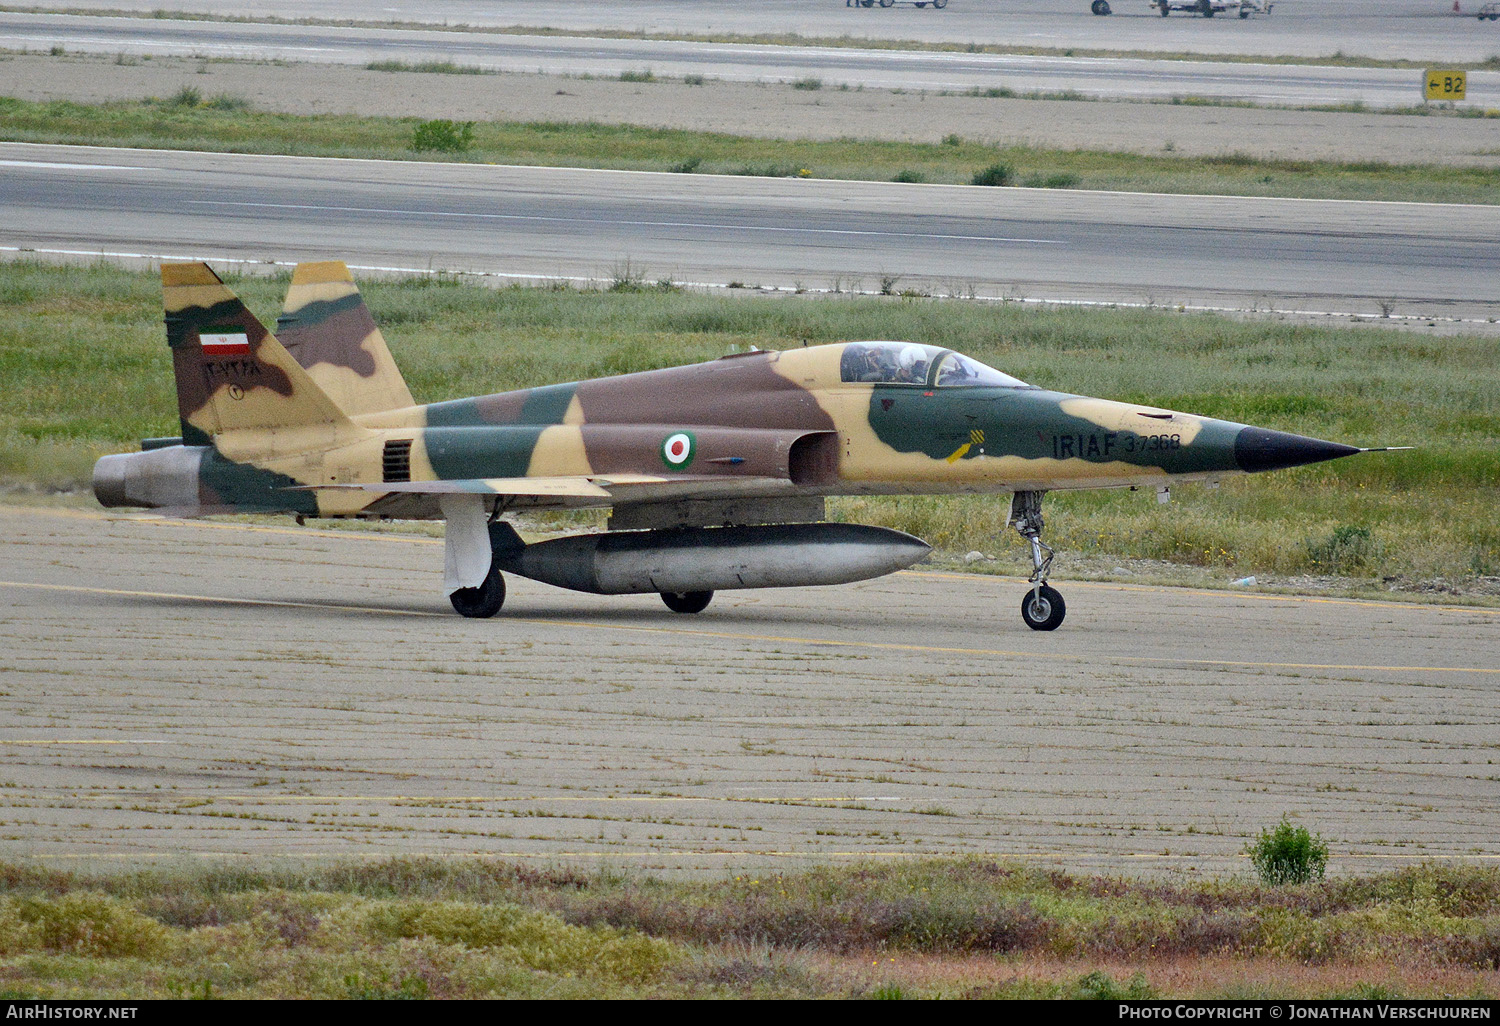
[(85, 371), (423, 928), (227, 123)]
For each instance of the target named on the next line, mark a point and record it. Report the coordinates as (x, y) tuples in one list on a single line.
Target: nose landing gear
[(1043, 608)]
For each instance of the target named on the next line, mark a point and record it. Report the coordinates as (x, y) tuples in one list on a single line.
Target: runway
[(1414, 260), (1390, 29), (176, 689), (1115, 78)]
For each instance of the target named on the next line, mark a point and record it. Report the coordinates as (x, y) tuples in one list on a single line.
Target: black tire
[(688, 601), (1100, 7), (887, 3), (481, 602), (939, 4), (1043, 610)]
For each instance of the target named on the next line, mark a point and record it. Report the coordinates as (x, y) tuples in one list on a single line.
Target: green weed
[(1347, 550), (228, 101), (187, 96), (1288, 855), (428, 67), (1100, 986), (88, 924), (1059, 180), (995, 174), (443, 136)]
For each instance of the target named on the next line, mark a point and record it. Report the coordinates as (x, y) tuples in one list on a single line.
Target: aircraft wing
[(579, 487), (418, 498)]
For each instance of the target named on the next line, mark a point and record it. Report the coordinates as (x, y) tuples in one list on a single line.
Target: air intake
[(397, 460)]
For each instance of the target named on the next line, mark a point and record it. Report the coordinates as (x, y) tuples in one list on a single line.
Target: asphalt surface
[(1391, 29), (1334, 257), (174, 689), (832, 66)]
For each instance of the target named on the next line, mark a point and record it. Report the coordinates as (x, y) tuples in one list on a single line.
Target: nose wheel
[(1043, 608)]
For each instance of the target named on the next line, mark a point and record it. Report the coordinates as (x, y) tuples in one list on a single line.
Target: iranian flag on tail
[(229, 341)]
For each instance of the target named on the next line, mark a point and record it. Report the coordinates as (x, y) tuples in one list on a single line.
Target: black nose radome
[(1258, 449)]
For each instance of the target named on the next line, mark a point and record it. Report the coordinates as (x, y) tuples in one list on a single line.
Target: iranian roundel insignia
[(677, 451)]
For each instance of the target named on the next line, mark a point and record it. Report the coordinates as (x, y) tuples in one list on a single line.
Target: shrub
[(1288, 855), (995, 174), (228, 101), (808, 83), (1100, 986), (410, 988), (644, 75), (88, 924), (187, 96), (1347, 549), (910, 176), (688, 166), (539, 940), (1059, 180), (443, 135), (769, 171)]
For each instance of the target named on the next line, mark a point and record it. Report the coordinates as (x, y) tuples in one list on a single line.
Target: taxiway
[(173, 689)]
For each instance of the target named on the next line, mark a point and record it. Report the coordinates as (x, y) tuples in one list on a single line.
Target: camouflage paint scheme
[(304, 422)]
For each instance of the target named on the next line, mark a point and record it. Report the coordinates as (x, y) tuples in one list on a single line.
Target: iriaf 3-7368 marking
[(715, 473)]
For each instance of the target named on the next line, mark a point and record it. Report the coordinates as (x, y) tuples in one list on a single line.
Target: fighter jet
[(716, 474)]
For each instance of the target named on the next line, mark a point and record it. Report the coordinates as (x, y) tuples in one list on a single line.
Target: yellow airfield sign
[(1444, 83)]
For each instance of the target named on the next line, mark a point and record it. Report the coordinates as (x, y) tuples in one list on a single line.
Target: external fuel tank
[(694, 559)]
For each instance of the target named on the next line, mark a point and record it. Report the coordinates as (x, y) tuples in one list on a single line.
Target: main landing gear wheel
[(687, 601), (1100, 7), (1043, 609), (483, 601)]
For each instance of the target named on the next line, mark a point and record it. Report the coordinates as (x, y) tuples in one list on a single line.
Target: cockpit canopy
[(908, 363)]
